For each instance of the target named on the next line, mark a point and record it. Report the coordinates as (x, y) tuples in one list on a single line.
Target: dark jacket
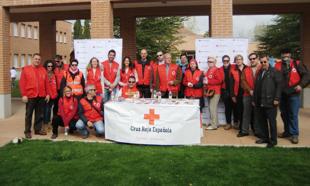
[(267, 88)]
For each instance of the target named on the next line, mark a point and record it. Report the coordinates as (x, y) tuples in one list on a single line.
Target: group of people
[(251, 93)]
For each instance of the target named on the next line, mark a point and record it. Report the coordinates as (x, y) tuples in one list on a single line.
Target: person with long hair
[(67, 113), (93, 74), (127, 71), (49, 65)]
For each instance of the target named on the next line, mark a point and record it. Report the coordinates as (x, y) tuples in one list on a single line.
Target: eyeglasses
[(210, 61), (50, 66), (264, 62), (225, 60), (159, 55), (131, 81), (92, 89), (74, 65), (251, 59)]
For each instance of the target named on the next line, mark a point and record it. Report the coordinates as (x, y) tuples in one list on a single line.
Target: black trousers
[(268, 123), (36, 105), (239, 110), (230, 108), (57, 121), (145, 91)]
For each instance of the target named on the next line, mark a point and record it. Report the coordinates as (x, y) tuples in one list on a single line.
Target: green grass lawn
[(15, 90), (75, 163)]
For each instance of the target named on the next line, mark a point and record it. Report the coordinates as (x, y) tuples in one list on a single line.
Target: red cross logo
[(151, 116)]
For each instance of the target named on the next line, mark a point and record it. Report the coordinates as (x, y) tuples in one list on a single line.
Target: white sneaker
[(211, 128), (66, 131)]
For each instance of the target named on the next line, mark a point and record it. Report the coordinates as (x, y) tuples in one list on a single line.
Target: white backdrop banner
[(85, 49), (217, 47), (156, 124)]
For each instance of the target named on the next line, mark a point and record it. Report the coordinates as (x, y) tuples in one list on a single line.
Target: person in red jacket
[(193, 83), (59, 70), (67, 113), (111, 75), (91, 113), (93, 74), (144, 68), (34, 90), (130, 90), (52, 87), (168, 78), (213, 82), (248, 78), (127, 71)]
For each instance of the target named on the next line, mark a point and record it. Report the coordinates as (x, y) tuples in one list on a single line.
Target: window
[(14, 29), (22, 60), (60, 37), (35, 32), (15, 61), (29, 31), (29, 59), (57, 36), (23, 30), (65, 37)]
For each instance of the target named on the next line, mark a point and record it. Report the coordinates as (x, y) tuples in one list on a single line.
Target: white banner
[(154, 124), (217, 47), (85, 49)]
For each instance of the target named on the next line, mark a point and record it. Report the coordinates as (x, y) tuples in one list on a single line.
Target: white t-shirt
[(13, 73)]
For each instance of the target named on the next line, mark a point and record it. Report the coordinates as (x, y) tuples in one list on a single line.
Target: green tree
[(283, 33), (77, 30), (86, 29), (156, 33)]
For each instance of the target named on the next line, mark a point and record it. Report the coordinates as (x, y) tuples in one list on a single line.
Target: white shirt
[(13, 73)]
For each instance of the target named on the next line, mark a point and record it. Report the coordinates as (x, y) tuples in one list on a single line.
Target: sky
[(243, 26)]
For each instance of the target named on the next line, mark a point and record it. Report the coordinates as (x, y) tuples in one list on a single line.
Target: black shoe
[(54, 136), (284, 135), (242, 134), (261, 141), (271, 144), (294, 139)]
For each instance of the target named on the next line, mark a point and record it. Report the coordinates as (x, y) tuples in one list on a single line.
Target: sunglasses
[(210, 61), (225, 60), (50, 66), (131, 81), (74, 65), (159, 55), (252, 59), (92, 89), (263, 62)]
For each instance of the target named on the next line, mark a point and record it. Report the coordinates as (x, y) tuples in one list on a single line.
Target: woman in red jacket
[(127, 71), (49, 65), (93, 75), (193, 82), (213, 81), (67, 113)]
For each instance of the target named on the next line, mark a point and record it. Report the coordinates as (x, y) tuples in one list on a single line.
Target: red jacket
[(215, 79), (59, 73), (249, 80), (128, 92), (173, 71), (144, 78), (294, 77), (92, 112), (67, 109), (33, 82), (94, 79), (110, 73), (193, 78), (52, 86)]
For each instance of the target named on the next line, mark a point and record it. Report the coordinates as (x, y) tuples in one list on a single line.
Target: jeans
[(36, 105), (289, 107), (98, 125), (47, 111), (247, 114), (107, 94)]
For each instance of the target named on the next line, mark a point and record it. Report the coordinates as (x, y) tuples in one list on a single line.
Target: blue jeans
[(289, 107), (47, 111), (98, 125)]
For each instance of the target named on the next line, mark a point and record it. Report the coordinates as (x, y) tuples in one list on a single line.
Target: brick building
[(24, 41), (102, 13)]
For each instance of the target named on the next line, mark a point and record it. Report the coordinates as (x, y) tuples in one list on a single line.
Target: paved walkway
[(14, 126)]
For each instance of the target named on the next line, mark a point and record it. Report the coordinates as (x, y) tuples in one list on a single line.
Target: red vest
[(110, 73), (90, 112), (52, 86), (143, 80), (68, 106), (189, 77), (75, 84), (293, 76), (249, 78), (94, 79), (234, 72), (125, 76), (59, 73), (164, 79), (215, 79), (128, 92)]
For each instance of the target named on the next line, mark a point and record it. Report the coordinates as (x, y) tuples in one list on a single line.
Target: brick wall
[(128, 33), (5, 87), (221, 18), (102, 19)]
